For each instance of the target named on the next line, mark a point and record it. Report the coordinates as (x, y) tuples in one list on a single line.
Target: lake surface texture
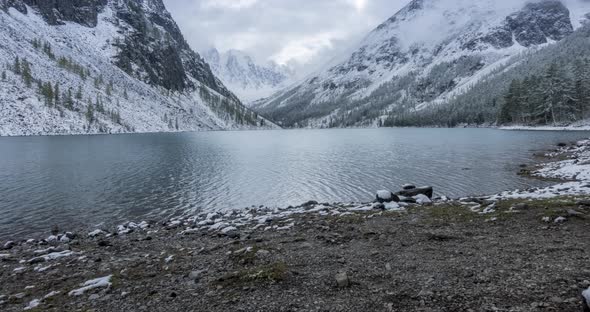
[(86, 180)]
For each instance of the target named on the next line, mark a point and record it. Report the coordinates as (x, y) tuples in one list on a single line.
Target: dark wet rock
[(104, 243), (409, 200), (310, 203), (386, 197), (36, 260), (428, 191), (408, 186), (584, 202), (379, 206)]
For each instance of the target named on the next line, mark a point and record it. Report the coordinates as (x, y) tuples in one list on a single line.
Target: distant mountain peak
[(246, 77)]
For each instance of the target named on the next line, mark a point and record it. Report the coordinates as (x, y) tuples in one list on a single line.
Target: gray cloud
[(300, 32)]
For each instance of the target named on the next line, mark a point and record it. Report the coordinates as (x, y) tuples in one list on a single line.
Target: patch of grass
[(273, 273), (246, 256), (450, 213)]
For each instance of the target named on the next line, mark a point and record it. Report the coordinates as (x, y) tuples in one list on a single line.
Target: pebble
[(521, 206), (8, 245), (196, 275), (342, 280)]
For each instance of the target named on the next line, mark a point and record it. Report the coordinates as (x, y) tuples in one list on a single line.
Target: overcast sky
[(286, 31)]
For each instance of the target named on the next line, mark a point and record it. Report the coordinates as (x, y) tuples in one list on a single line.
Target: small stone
[(577, 214), (262, 253), (342, 280), (8, 245), (556, 300), (408, 186), (196, 276), (521, 206), (104, 243), (310, 203), (94, 297)]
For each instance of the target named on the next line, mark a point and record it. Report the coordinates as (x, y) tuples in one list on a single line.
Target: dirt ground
[(429, 258)]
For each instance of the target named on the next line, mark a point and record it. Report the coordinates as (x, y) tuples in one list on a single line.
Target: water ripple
[(65, 181)]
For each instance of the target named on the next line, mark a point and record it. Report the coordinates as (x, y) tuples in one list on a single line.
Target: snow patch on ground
[(101, 282)]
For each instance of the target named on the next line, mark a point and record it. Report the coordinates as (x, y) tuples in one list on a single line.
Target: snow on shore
[(575, 171)]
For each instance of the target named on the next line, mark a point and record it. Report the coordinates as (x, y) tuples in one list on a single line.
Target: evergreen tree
[(3, 75), (510, 110), (26, 73), (69, 100), (79, 93), (110, 88), (17, 68), (48, 93), (125, 95), (56, 94), (90, 114)]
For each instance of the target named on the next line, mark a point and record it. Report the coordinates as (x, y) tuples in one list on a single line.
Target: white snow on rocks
[(33, 304), (101, 282), (586, 295), (96, 233), (422, 199), (576, 168), (52, 256)]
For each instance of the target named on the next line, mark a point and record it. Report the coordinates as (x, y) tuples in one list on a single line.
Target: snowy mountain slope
[(427, 53), (245, 77), (99, 66)]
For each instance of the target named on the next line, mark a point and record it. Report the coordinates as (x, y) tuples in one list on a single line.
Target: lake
[(87, 180)]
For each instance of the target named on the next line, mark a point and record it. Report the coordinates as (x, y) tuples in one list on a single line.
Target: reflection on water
[(78, 180)]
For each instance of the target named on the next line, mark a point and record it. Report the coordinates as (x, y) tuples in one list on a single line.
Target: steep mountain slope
[(248, 79), (426, 54), (549, 86), (106, 66)]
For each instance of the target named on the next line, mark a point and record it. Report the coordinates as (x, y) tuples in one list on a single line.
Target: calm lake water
[(85, 180)]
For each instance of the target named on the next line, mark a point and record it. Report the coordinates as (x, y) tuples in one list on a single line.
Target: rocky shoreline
[(523, 250)]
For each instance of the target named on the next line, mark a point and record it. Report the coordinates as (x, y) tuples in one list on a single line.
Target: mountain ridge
[(128, 61), (427, 53)]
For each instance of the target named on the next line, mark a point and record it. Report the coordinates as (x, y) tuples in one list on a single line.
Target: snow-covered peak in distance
[(247, 78), (427, 52)]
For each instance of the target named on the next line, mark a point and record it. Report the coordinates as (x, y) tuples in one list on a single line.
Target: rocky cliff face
[(56, 12), (136, 56), (535, 24), (428, 52)]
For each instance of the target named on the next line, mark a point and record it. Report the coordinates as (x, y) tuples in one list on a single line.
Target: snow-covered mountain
[(248, 79), (106, 66), (426, 54)]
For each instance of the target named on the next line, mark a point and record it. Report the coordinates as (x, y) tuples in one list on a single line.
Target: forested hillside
[(549, 86)]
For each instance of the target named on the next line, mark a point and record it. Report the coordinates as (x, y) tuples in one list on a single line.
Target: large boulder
[(386, 197), (427, 190)]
